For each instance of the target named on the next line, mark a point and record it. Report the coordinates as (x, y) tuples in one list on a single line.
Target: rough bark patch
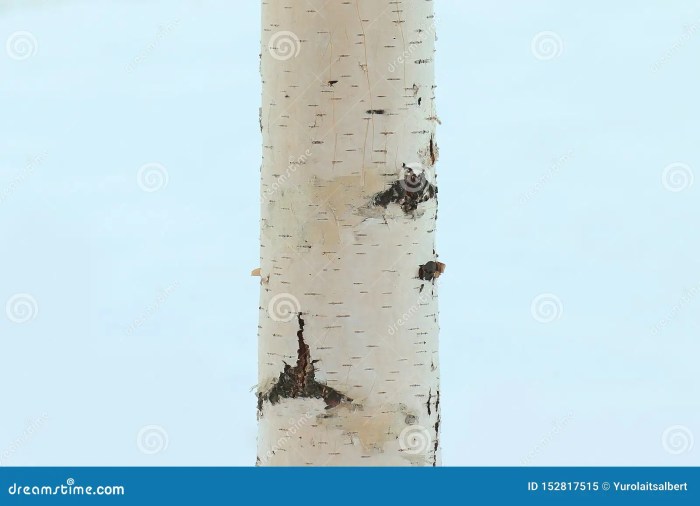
[(408, 192), (299, 380)]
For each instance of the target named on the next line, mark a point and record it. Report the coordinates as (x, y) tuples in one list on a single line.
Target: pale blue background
[(602, 233)]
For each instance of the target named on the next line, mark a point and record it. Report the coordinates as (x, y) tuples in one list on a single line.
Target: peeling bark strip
[(299, 381), (350, 88)]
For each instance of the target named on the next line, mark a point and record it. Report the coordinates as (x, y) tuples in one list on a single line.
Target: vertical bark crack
[(299, 380), (433, 151), (437, 427)]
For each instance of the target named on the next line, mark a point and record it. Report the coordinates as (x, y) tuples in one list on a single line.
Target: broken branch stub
[(430, 270)]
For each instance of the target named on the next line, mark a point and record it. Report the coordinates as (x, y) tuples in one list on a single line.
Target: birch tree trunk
[(348, 334)]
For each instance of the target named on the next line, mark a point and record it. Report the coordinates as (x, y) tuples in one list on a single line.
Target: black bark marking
[(376, 111), (437, 427), (433, 151), (430, 394), (331, 83), (299, 381), (430, 270), (408, 192)]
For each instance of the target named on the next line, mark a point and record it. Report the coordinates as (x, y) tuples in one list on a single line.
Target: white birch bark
[(348, 334)]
